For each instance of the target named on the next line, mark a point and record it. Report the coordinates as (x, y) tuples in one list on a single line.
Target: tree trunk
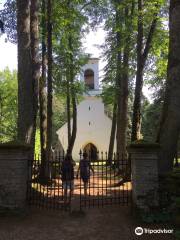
[(73, 97), (42, 86), (49, 80), (113, 134), (26, 105), (34, 29), (68, 107), (74, 126), (123, 109), (136, 123), (68, 99), (118, 95), (124, 106), (118, 74), (170, 125), (42, 96), (119, 80)]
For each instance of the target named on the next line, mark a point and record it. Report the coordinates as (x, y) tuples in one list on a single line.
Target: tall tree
[(119, 43), (120, 30), (42, 86), (69, 57), (43, 94), (73, 97), (170, 121), (35, 62), (26, 108), (128, 13), (68, 108), (49, 78), (142, 54)]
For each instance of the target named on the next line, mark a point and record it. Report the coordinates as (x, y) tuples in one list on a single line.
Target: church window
[(89, 78), (89, 123), (89, 108)]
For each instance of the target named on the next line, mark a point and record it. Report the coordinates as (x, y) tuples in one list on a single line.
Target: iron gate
[(108, 184), (45, 189)]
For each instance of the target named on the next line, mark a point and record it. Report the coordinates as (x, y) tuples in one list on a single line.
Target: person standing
[(84, 168), (67, 172)]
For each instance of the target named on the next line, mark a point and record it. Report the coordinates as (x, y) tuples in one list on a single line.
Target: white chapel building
[(93, 125)]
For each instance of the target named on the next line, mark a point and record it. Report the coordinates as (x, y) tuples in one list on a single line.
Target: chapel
[(93, 124)]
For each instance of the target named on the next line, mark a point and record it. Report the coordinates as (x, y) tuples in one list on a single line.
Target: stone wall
[(144, 167), (13, 176)]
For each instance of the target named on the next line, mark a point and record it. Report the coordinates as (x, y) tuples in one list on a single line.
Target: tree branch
[(149, 38), (85, 5)]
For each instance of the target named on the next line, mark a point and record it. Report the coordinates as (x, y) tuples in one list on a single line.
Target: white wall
[(98, 132)]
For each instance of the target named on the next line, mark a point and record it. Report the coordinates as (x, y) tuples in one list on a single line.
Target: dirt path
[(110, 223)]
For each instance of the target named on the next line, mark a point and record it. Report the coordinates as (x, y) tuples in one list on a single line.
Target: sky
[(8, 54), (91, 43), (8, 51)]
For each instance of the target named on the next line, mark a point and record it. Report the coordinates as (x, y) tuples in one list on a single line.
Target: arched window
[(89, 78)]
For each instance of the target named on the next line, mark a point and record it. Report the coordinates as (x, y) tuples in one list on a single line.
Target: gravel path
[(110, 223)]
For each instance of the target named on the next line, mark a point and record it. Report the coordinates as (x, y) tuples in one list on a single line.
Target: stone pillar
[(13, 176), (144, 168)]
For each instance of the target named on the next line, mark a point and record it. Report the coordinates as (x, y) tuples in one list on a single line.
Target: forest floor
[(108, 223)]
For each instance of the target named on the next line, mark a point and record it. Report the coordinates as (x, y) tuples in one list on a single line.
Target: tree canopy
[(137, 48)]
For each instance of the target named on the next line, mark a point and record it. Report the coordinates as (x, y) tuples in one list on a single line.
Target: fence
[(107, 183)]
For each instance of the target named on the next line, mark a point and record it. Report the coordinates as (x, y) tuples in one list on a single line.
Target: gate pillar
[(13, 176), (144, 168)]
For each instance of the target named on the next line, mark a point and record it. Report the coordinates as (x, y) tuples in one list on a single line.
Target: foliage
[(8, 108), (177, 235), (8, 105), (156, 65), (71, 19), (170, 195), (168, 210), (150, 119), (68, 21), (8, 15), (37, 142), (59, 116), (156, 69), (157, 217), (155, 78)]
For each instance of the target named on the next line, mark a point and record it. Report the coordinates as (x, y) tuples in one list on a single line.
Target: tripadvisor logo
[(139, 231)]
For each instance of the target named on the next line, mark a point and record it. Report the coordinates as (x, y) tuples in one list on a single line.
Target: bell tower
[(90, 74)]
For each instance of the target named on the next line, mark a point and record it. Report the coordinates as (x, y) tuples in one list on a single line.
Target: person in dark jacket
[(84, 168), (67, 172)]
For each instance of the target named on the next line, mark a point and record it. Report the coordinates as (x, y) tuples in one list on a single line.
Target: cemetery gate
[(108, 184)]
